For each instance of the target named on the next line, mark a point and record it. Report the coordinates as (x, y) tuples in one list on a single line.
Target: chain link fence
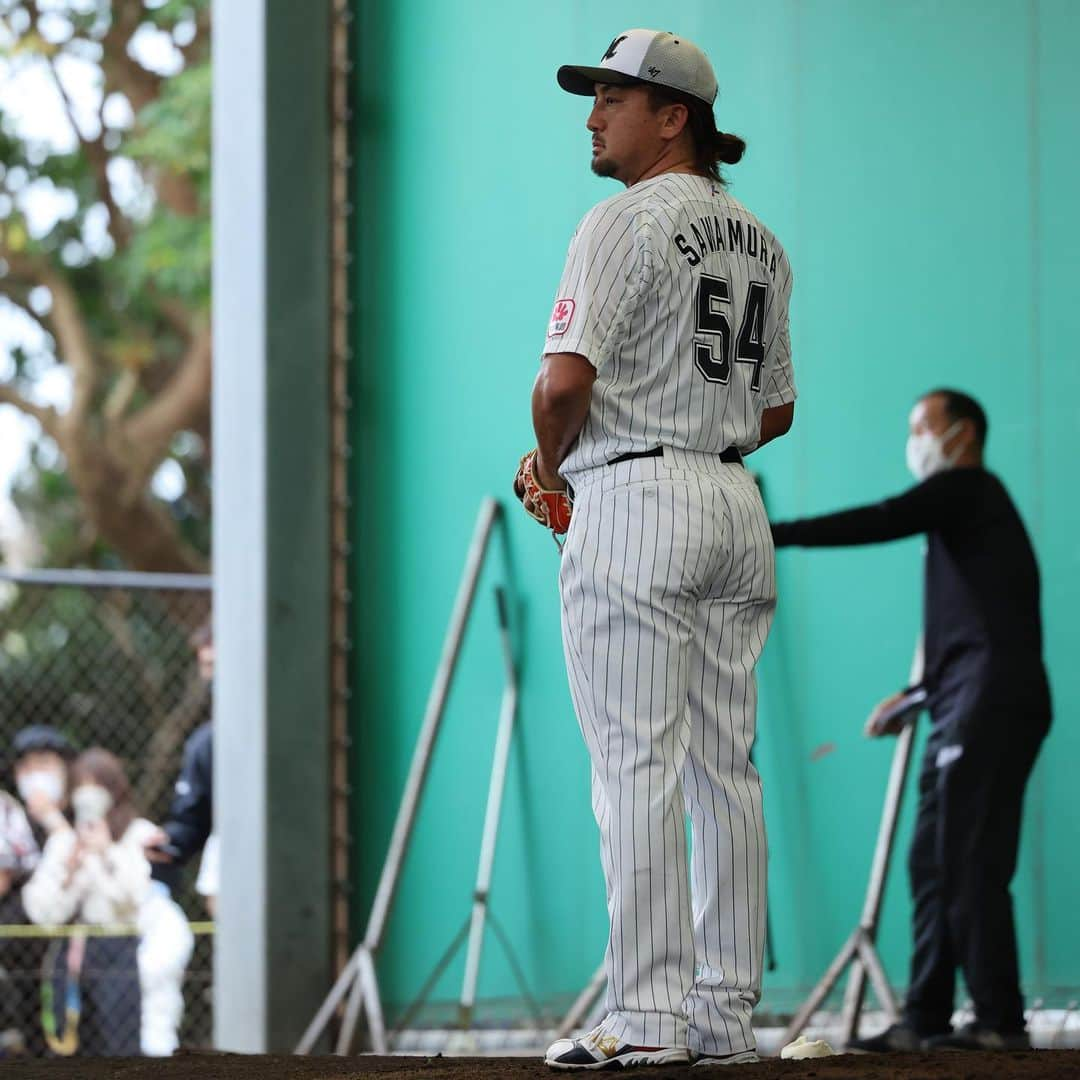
[(107, 660)]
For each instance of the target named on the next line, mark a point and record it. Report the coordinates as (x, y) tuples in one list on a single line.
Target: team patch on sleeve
[(561, 315)]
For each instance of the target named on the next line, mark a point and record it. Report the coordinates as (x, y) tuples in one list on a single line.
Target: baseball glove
[(551, 508)]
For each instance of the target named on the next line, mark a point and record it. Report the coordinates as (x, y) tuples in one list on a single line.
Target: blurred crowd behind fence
[(107, 660)]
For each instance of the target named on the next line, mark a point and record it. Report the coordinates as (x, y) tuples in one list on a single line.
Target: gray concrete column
[(271, 517)]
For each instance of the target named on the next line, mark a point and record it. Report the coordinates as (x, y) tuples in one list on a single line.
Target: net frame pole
[(492, 816), (359, 978)]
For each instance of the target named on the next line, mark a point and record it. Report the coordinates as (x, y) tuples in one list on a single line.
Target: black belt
[(730, 456)]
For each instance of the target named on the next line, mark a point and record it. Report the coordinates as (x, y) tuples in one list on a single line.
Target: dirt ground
[(961, 1066)]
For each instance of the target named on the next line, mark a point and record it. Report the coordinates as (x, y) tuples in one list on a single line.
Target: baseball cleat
[(899, 1038), (742, 1057), (598, 1050), (973, 1037)]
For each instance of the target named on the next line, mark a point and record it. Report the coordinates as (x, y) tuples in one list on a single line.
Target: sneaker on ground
[(899, 1038), (741, 1057), (598, 1050), (973, 1037)]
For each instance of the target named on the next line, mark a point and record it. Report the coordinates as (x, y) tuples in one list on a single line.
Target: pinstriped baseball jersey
[(678, 296)]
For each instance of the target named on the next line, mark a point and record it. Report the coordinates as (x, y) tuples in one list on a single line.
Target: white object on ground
[(803, 1047)]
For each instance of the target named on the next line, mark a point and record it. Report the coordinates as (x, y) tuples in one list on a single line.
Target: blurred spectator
[(187, 828), (97, 874), (167, 945), (19, 851), (190, 819), (40, 756), (19, 855)]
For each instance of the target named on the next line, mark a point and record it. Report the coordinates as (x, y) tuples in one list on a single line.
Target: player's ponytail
[(728, 148), (711, 146)]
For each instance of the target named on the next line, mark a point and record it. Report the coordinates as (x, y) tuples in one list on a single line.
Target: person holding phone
[(94, 873)]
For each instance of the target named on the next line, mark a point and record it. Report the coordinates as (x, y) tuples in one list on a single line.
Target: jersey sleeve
[(607, 270), (780, 381)]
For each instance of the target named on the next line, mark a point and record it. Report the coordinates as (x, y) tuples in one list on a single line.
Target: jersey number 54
[(713, 356)]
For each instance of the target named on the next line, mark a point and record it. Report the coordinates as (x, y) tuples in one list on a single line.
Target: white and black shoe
[(598, 1050), (740, 1057)]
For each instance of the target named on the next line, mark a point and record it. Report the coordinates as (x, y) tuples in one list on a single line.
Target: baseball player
[(989, 701), (667, 360)]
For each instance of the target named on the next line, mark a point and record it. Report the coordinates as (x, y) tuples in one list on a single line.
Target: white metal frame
[(358, 984)]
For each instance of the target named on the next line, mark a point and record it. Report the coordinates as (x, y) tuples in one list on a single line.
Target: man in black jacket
[(989, 703), (185, 831)]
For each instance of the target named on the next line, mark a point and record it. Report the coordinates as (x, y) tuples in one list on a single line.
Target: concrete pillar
[(271, 517)]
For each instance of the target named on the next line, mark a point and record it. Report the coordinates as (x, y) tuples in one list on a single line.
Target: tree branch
[(17, 293), (120, 397), (174, 311), (98, 158), (195, 50), (45, 415), (122, 71), (179, 406), (69, 330)]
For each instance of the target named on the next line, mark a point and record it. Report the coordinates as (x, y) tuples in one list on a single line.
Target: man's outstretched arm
[(929, 505)]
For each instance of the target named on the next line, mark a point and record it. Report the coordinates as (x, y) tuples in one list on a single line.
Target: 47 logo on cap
[(561, 315)]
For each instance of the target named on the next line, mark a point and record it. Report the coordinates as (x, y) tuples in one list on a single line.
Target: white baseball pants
[(668, 589)]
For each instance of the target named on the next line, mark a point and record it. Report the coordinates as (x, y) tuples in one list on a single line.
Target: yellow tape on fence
[(119, 930)]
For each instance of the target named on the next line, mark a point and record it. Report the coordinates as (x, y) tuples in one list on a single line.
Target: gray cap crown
[(649, 56)]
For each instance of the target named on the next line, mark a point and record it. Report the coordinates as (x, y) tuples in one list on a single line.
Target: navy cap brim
[(575, 79)]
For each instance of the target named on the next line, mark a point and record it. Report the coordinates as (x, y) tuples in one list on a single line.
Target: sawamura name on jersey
[(712, 234)]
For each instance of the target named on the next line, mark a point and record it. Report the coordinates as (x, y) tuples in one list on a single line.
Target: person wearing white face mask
[(989, 703), (39, 756), (94, 873), (19, 854)]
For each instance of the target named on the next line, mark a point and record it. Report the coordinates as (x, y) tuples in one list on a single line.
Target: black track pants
[(962, 859)]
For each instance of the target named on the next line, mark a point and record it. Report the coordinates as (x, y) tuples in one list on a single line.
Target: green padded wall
[(918, 161)]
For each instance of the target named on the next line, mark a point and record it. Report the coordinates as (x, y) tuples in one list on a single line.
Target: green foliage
[(140, 278), (172, 134), (168, 14), (171, 253), (174, 131)]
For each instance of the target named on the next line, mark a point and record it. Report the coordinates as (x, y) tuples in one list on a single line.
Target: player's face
[(625, 132)]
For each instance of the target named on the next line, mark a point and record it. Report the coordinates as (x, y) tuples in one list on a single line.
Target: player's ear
[(673, 120)]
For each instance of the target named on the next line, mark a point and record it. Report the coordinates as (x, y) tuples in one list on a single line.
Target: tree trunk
[(141, 532)]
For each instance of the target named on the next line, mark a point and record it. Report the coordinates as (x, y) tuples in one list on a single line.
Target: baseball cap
[(649, 56), (39, 737)]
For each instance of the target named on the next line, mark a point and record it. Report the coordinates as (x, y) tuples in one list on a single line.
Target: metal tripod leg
[(491, 819), (859, 949), (329, 1006), (821, 991), (361, 981)]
